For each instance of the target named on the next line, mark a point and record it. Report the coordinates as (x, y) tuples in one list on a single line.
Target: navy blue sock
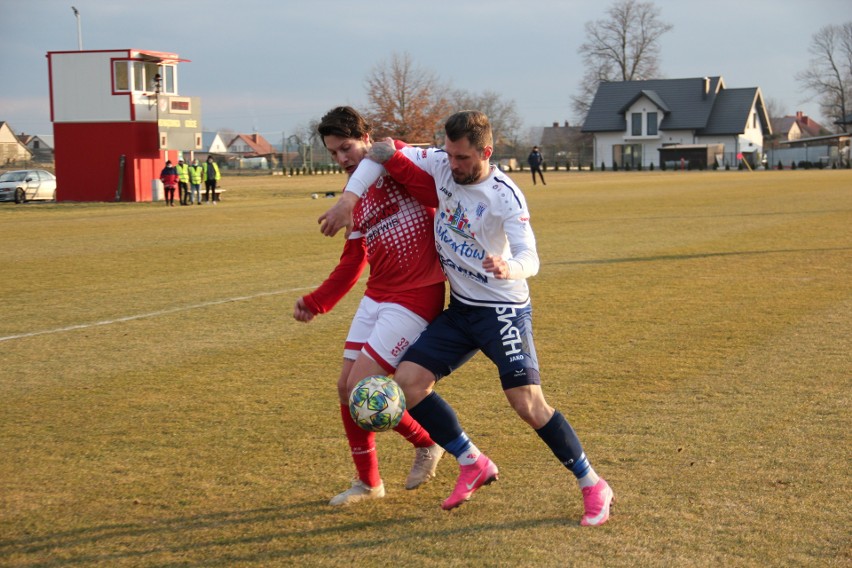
[(565, 445), (440, 420)]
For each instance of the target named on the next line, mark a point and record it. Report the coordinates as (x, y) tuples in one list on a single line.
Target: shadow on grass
[(693, 256), (173, 538)]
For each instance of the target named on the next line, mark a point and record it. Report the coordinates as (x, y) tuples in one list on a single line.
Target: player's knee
[(413, 378)]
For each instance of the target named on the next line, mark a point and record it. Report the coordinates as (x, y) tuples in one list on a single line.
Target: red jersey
[(393, 233)]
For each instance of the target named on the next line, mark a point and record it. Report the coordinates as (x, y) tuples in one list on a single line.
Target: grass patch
[(160, 406)]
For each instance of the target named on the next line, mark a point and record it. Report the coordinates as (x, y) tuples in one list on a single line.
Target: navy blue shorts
[(504, 335)]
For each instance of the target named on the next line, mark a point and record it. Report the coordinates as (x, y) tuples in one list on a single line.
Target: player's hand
[(382, 150), (497, 266), (301, 311), (339, 216)]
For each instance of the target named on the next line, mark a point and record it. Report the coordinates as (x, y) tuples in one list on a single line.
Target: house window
[(627, 155), (636, 126), (652, 124)]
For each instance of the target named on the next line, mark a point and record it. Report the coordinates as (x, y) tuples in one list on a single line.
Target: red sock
[(411, 430), (362, 444)]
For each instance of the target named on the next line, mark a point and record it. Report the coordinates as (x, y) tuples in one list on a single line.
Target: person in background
[(196, 175), (535, 160), (405, 290), (211, 179), (169, 177), (183, 181)]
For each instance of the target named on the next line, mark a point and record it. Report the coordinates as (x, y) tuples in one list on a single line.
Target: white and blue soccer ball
[(376, 403)]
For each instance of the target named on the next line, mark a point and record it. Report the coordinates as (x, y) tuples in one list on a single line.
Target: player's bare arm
[(382, 150), (339, 215), (301, 311), (495, 264)]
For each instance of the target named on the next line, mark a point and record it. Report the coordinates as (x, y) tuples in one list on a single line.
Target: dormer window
[(636, 124), (652, 124)]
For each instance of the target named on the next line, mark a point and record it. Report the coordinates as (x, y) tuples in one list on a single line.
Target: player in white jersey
[(404, 292), (487, 249)]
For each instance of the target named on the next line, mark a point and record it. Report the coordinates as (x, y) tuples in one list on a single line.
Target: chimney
[(566, 124), (800, 116)]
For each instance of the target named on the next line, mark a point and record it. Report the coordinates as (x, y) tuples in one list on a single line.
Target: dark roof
[(731, 112), (689, 102), (782, 126), (559, 136), (648, 94)]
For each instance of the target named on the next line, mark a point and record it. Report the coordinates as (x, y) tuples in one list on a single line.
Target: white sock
[(470, 456), (590, 479)]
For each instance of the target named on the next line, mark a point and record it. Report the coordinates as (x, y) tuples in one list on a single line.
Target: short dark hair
[(343, 121), (470, 124)]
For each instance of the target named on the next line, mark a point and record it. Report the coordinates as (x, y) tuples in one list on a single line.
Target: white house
[(212, 143), (12, 150), (41, 146), (696, 121)]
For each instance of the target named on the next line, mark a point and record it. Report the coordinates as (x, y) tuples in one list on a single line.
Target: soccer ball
[(376, 403)]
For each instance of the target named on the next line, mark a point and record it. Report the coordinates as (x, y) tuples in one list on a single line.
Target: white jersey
[(472, 221)]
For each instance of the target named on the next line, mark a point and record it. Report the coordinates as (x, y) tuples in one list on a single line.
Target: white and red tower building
[(117, 117)]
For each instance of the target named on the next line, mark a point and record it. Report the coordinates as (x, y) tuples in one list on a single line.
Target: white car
[(21, 186)]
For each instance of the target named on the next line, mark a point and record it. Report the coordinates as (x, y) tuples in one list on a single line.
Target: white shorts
[(383, 332)]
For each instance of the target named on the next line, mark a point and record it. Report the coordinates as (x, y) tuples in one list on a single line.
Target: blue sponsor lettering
[(448, 264), (464, 248)]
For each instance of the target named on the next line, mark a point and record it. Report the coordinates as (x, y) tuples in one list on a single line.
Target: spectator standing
[(183, 181), (535, 160), (211, 179), (169, 177), (196, 175)]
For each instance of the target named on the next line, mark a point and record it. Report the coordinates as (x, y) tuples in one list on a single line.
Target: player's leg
[(441, 348), (362, 447), (514, 354), (394, 329), (362, 444)]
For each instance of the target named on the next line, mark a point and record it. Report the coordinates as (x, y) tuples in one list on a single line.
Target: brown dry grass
[(695, 328)]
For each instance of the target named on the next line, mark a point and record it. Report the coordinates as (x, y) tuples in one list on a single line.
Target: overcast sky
[(272, 66)]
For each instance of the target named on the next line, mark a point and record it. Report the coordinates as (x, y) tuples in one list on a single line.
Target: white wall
[(82, 88)]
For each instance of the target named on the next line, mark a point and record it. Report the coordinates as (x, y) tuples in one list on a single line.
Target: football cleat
[(425, 463), (596, 502), (358, 492), (471, 478)]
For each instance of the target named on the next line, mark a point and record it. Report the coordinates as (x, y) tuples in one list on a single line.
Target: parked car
[(21, 186)]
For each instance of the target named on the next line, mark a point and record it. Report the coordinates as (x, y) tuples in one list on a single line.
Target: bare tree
[(405, 101), (502, 114), (829, 76), (774, 108), (622, 47)]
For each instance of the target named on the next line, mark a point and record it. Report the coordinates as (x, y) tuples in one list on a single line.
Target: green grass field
[(160, 407)]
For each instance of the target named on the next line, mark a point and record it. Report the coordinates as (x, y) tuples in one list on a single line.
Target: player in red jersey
[(392, 232)]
